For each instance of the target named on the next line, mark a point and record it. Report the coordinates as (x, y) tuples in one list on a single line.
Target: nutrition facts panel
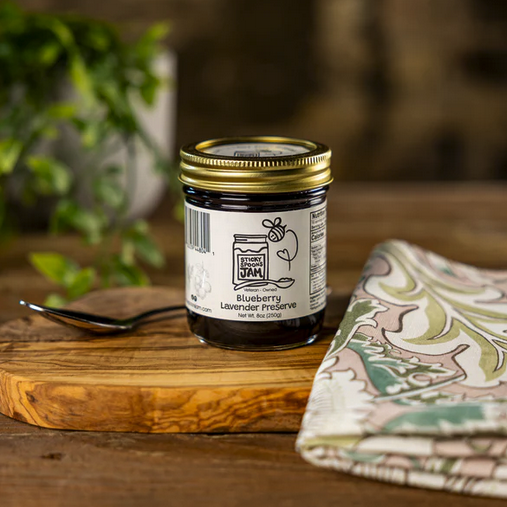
[(317, 257)]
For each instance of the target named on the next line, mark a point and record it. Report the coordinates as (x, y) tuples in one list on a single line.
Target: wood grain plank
[(75, 469)]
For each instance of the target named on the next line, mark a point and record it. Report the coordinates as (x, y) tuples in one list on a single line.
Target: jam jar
[(255, 240)]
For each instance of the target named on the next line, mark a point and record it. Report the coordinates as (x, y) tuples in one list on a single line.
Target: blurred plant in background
[(38, 54)]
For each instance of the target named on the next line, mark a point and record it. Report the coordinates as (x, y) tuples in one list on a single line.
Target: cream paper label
[(250, 266)]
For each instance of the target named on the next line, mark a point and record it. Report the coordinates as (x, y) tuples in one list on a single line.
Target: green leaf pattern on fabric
[(455, 415), (360, 313), (394, 376)]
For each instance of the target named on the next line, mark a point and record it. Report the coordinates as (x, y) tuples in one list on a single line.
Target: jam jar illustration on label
[(255, 240), (250, 260)]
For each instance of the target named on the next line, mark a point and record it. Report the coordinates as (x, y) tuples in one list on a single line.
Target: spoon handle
[(157, 311)]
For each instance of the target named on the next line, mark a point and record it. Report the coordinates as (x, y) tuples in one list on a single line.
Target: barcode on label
[(197, 230)]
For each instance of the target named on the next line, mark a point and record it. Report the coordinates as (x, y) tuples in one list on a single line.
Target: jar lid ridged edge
[(291, 173)]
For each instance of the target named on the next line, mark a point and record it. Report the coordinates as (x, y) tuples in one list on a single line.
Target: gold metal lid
[(256, 164)]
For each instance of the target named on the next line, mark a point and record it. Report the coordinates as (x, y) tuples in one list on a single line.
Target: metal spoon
[(96, 324)]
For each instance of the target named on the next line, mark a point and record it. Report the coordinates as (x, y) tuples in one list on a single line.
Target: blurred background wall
[(400, 89)]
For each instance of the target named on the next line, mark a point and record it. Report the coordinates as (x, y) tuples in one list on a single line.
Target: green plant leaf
[(139, 227), (127, 275), (49, 132), (99, 37), (145, 247), (10, 150), (61, 110), (69, 214), (91, 134), (56, 300), (82, 283), (121, 112), (157, 32), (148, 43), (49, 53), (148, 251), (108, 191), (60, 30), (81, 78), (149, 88), (55, 267), (52, 176), (128, 252), (90, 224)]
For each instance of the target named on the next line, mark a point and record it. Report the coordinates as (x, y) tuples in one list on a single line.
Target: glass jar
[(255, 235)]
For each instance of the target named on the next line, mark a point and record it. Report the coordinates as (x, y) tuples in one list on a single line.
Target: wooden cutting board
[(157, 379)]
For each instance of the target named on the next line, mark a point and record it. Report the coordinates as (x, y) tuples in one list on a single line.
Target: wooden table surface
[(466, 222)]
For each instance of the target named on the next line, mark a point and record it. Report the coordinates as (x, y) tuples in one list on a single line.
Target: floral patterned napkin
[(413, 389)]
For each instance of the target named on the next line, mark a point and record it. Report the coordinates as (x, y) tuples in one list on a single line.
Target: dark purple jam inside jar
[(255, 234)]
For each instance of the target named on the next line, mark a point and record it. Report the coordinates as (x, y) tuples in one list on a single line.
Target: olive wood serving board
[(158, 379)]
